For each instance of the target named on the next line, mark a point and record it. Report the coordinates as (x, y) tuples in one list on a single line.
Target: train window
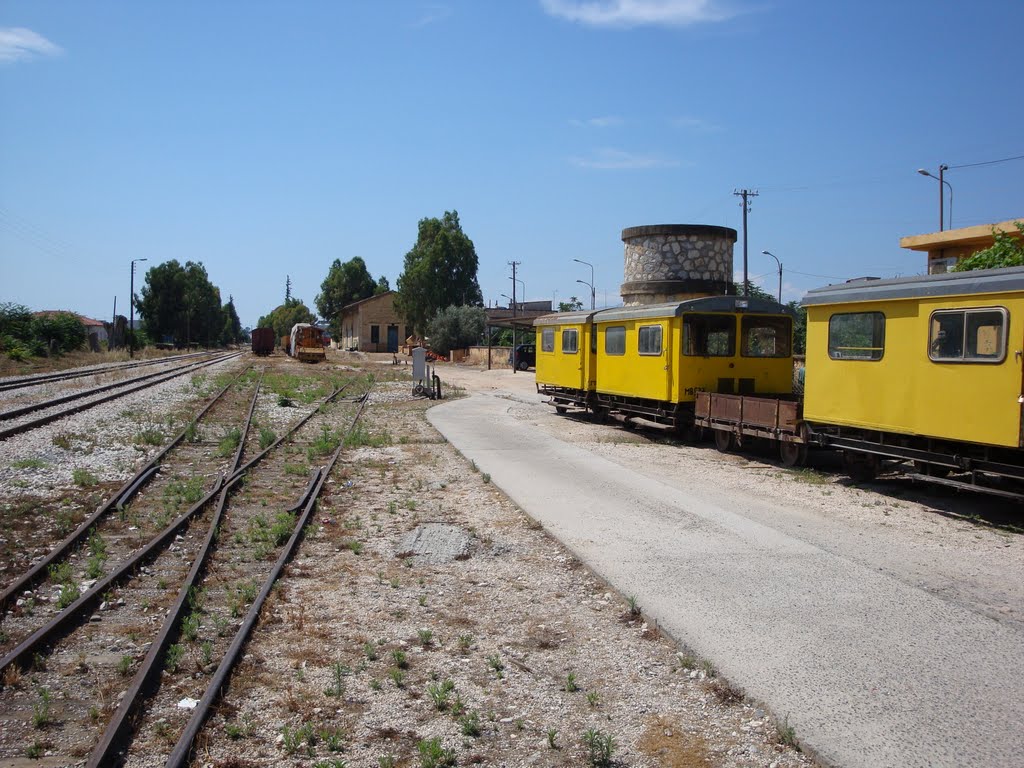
[(709, 335), (649, 340), (856, 336), (765, 336), (968, 335), (547, 340), (615, 340), (570, 341)]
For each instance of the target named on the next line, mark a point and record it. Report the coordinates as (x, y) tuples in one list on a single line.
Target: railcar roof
[(741, 304), (566, 318), (923, 286)]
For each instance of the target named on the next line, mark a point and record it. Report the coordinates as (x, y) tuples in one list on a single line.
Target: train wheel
[(793, 454), (862, 468), (561, 409), (723, 440), (628, 423)]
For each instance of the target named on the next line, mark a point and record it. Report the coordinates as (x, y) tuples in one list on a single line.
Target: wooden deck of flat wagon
[(735, 418)]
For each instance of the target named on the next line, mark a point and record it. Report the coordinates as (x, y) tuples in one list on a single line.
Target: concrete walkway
[(870, 671)]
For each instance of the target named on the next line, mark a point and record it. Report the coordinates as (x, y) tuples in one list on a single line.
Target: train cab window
[(765, 336), (547, 340), (856, 336), (615, 340), (968, 335), (709, 335), (649, 340), (570, 341)]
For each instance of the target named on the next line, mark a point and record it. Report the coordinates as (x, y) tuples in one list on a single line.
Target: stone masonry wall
[(674, 261)]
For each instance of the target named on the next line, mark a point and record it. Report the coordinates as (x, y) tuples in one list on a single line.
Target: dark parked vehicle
[(524, 356)]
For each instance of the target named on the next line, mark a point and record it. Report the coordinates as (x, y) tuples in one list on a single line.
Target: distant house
[(950, 246), (372, 325)]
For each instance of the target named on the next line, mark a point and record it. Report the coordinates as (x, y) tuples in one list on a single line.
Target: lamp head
[(923, 172)]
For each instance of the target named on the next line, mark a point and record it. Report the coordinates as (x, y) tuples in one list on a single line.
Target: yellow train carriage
[(899, 368), (653, 360), (566, 358)]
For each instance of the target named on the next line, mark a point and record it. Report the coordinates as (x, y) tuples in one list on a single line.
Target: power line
[(989, 162)]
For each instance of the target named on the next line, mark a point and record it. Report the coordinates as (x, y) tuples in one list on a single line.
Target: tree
[(344, 284), (232, 331), (382, 286), (283, 317), (572, 305), (1006, 251), (180, 305), (455, 328), (440, 271)]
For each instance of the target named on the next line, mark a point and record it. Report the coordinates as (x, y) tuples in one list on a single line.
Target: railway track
[(192, 578), (21, 419), (8, 384)]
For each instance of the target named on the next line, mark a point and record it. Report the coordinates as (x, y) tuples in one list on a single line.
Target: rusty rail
[(150, 381)]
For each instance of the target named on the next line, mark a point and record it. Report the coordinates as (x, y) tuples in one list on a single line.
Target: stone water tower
[(672, 262)]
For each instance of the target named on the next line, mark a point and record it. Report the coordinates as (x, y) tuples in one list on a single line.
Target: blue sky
[(266, 139)]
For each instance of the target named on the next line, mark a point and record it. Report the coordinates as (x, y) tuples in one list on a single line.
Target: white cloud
[(694, 124), (635, 13), (20, 44), (432, 13), (597, 122), (617, 160)]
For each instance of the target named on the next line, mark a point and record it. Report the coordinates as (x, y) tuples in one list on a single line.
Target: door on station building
[(392, 338)]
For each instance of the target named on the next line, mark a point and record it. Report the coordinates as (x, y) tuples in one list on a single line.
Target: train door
[(392, 338)]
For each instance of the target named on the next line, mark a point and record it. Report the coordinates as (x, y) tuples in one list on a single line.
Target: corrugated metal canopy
[(950, 284), (566, 318)]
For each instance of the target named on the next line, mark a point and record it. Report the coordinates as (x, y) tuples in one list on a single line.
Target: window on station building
[(856, 336), (765, 336), (968, 335), (615, 340), (649, 340), (547, 340), (709, 335), (375, 334), (570, 341)]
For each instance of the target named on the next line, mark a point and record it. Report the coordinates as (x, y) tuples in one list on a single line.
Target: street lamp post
[(942, 198), (131, 312), (591, 283), (769, 253)]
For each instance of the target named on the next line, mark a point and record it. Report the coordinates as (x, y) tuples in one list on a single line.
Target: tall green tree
[(345, 282), (440, 271), (179, 304), (232, 331)]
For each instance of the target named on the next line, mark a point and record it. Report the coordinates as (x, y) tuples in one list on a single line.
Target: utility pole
[(515, 362), (745, 194)]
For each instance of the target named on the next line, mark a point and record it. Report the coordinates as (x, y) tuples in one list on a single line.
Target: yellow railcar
[(924, 369), (566, 358), (653, 360)]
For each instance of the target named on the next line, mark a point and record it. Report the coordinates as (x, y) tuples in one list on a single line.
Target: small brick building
[(372, 325)]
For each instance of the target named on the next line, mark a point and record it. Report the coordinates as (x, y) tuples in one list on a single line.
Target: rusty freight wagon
[(263, 341)]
